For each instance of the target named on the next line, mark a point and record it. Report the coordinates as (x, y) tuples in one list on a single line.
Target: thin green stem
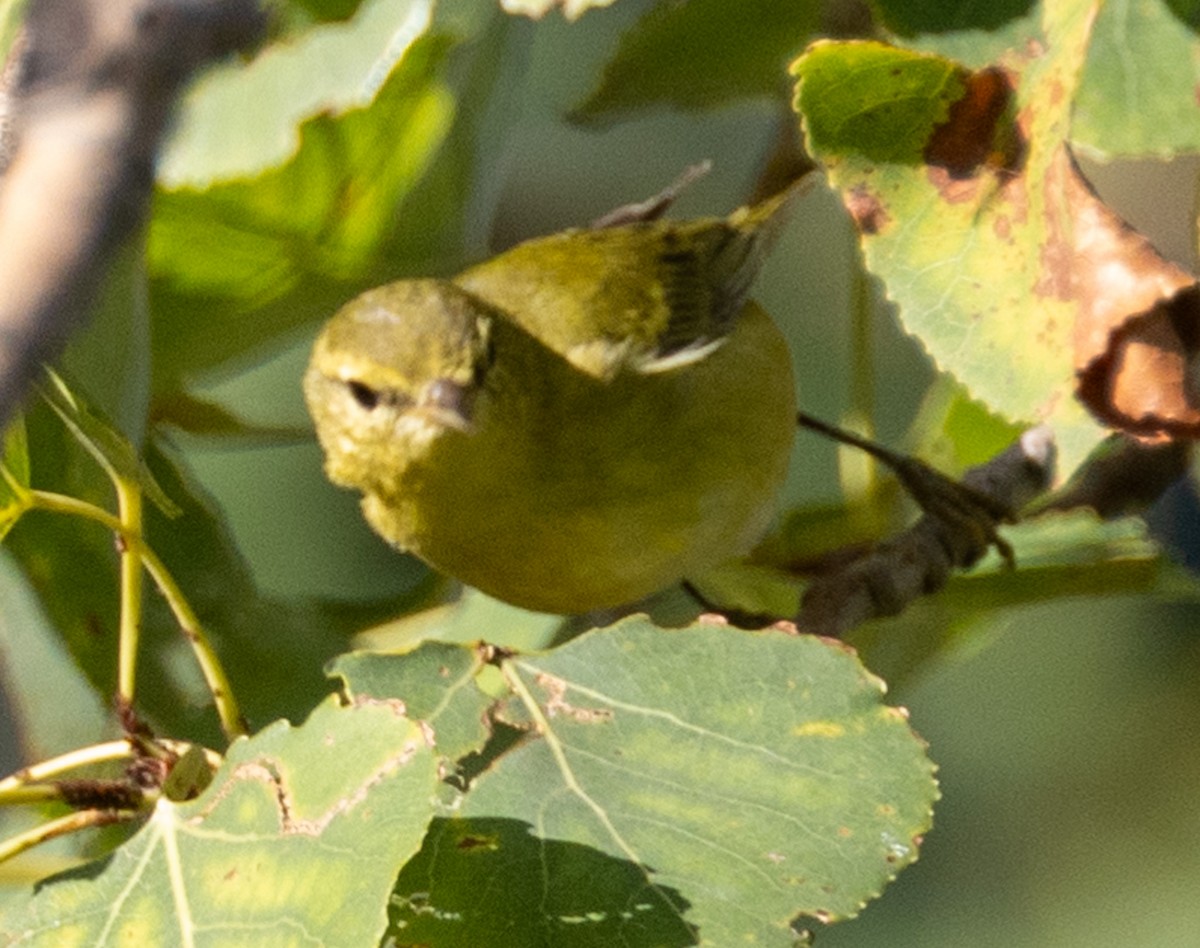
[(129, 505), (94, 754), (206, 657), (19, 490), (34, 793), (71, 823), (83, 757)]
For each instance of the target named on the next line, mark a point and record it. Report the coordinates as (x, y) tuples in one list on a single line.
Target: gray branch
[(94, 87), (919, 561)]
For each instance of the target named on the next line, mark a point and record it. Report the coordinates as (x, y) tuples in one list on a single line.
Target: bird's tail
[(751, 235)]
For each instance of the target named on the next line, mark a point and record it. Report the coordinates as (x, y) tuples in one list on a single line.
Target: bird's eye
[(366, 396)]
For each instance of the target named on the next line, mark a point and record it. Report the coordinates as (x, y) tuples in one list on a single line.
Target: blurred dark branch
[(1126, 478), (886, 578), (92, 95)]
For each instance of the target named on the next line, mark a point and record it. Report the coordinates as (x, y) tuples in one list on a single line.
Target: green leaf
[(749, 777), (700, 54), (239, 264), (100, 438), (1138, 92), (297, 839), (329, 9), (955, 431), (959, 210), (868, 102), (371, 194), (473, 617), (14, 455), (14, 451), (495, 881), (748, 589), (238, 120), (438, 685), (32, 654), (109, 356)]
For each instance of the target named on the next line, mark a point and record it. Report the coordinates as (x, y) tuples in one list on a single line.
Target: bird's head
[(393, 372)]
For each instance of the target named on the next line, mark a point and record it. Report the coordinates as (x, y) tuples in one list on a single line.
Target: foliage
[(653, 780)]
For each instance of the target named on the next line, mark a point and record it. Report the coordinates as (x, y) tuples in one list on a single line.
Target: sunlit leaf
[(703, 778), (961, 208), (100, 438), (438, 685), (300, 831), (241, 263), (238, 120), (373, 192)]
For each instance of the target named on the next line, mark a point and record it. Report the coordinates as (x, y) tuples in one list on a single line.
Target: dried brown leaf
[(1136, 328)]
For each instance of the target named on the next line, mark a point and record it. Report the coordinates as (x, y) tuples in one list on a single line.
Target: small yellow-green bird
[(574, 424)]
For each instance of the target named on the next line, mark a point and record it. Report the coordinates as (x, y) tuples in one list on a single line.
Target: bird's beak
[(448, 403)]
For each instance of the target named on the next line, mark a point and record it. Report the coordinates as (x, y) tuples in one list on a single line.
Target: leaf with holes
[(438, 684), (297, 840), (704, 779)]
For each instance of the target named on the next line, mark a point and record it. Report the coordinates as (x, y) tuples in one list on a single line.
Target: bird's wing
[(647, 296)]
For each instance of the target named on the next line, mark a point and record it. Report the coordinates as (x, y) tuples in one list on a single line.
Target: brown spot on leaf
[(470, 843), (556, 703), (866, 210), (952, 188), (979, 129)]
